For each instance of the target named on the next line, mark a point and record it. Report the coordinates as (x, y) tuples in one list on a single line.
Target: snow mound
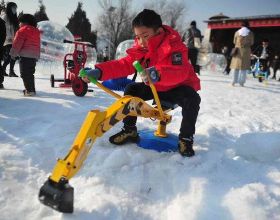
[(252, 201), (262, 147)]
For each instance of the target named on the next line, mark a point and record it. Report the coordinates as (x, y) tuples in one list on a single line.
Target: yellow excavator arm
[(95, 125)]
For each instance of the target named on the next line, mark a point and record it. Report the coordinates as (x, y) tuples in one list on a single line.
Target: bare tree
[(172, 12), (41, 14), (115, 23), (2, 5)]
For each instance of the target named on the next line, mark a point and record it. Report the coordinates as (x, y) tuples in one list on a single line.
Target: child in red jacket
[(159, 46), (26, 45)]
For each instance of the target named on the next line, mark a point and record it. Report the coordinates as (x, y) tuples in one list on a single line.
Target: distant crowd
[(264, 55)]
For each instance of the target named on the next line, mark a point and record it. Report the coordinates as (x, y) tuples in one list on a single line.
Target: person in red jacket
[(156, 45), (26, 45)]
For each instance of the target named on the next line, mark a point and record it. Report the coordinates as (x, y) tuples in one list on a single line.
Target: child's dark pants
[(184, 96), (27, 70)]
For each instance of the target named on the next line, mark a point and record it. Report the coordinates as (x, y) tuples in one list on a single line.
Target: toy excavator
[(56, 192)]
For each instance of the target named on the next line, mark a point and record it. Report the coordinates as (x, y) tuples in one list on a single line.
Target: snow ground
[(234, 175)]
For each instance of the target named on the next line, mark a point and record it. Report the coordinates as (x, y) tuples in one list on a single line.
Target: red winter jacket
[(26, 42), (166, 52)]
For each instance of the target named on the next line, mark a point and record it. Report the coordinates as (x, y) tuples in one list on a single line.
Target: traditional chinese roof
[(218, 17)]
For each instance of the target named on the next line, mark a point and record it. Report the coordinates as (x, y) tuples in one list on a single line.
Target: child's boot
[(124, 136), (185, 147)]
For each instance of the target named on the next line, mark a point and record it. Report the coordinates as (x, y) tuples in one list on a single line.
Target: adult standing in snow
[(9, 15), (241, 58), (226, 53), (275, 64), (105, 54), (156, 45), (26, 45), (2, 40), (193, 42)]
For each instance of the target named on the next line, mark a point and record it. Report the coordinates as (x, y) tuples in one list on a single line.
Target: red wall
[(223, 24)]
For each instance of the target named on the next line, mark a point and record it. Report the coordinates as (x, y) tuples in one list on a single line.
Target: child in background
[(26, 45), (160, 46)]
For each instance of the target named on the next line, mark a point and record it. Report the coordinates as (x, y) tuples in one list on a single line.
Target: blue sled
[(151, 142)]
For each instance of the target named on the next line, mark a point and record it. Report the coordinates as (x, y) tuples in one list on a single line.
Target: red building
[(221, 30)]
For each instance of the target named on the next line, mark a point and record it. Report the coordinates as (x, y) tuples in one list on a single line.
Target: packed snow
[(235, 173)]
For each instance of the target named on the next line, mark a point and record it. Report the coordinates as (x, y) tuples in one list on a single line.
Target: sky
[(200, 10)]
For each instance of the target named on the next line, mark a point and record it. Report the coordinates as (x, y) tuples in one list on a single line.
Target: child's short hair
[(28, 19), (147, 18)]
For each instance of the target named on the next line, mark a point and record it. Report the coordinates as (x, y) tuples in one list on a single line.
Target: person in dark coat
[(193, 43), (2, 40), (226, 53), (264, 52), (11, 20)]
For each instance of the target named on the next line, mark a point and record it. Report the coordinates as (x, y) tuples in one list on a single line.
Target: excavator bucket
[(59, 196)]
